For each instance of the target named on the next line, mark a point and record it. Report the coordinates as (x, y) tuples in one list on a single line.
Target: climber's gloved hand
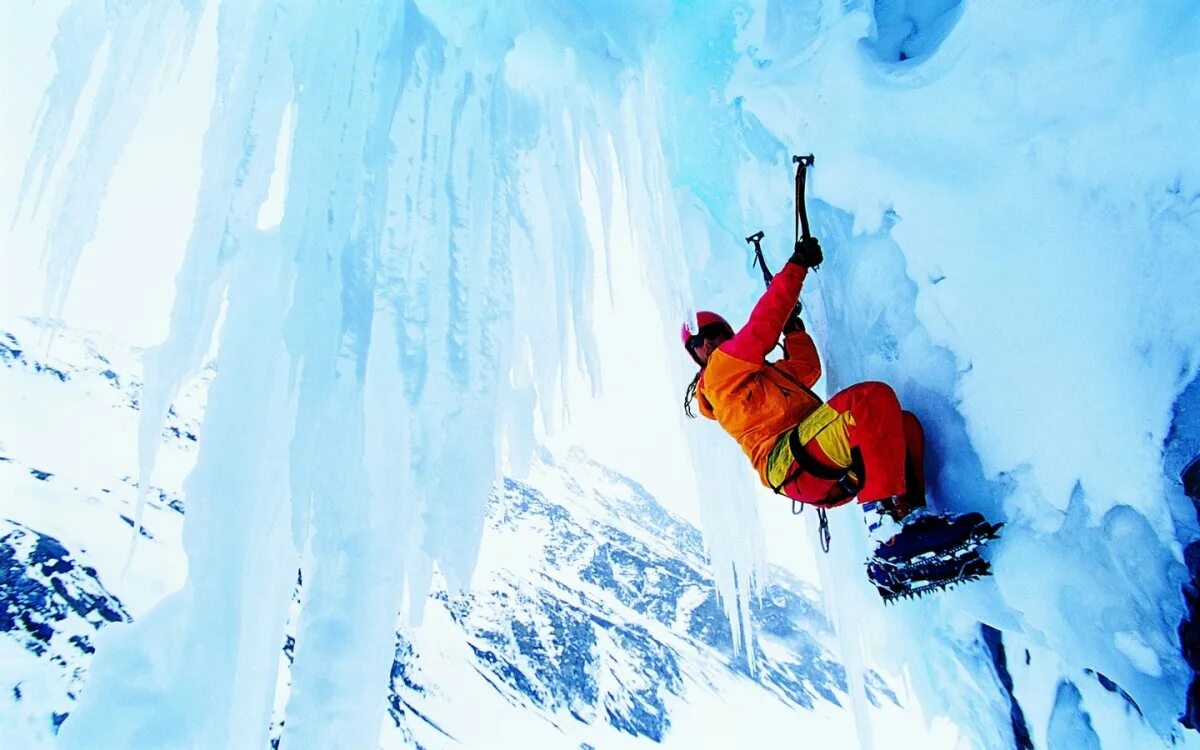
[(807, 253), (794, 323)]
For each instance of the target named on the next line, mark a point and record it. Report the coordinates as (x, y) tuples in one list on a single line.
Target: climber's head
[(712, 331)]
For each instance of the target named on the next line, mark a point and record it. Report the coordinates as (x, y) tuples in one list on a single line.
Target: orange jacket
[(756, 401)]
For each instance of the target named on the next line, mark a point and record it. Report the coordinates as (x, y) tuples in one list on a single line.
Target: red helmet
[(704, 319)]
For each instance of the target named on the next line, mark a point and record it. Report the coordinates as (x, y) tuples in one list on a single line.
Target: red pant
[(873, 430)]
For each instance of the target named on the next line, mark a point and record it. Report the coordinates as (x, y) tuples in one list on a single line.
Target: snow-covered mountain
[(592, 619)]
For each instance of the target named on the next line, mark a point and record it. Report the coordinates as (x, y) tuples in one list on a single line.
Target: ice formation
[(406, 211)]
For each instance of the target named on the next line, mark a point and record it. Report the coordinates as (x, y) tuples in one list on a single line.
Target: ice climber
[(858, 444)]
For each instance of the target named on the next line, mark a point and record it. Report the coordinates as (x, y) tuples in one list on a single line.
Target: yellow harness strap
[(834, 442)]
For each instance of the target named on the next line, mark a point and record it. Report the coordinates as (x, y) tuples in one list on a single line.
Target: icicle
[(140, 38), (248, 108), (81, 31), (238, 163), (432, 252)]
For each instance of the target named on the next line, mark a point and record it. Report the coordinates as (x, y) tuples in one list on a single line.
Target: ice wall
[(1010, 222)]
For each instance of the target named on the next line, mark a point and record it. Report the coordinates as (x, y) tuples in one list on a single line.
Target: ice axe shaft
[(802, 164)]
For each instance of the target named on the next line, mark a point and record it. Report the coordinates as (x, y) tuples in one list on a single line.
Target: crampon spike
[(898, 582)]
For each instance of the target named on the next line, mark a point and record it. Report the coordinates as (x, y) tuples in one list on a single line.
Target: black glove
[(807, 253), (794, 323)]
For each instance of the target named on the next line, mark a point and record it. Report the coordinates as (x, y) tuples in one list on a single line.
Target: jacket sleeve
[(801, 360), (762, 331)]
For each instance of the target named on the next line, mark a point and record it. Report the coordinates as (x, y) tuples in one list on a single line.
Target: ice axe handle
[(802, 164)]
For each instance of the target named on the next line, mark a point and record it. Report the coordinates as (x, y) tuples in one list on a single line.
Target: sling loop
[(823, 534)]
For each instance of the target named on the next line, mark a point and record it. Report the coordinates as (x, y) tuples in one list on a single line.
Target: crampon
[(943, 567)]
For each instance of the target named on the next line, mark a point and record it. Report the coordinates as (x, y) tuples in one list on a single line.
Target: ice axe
[(760, 261), (802, 231)]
